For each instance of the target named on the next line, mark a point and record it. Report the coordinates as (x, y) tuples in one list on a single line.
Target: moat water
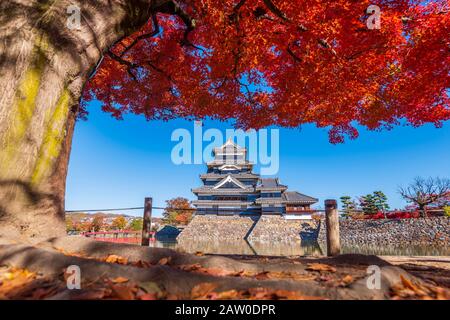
[(242, 247)]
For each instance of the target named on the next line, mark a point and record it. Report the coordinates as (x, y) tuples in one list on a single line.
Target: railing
[(118, 236)]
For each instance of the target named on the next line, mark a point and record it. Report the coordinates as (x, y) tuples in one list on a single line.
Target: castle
[(231, 188)]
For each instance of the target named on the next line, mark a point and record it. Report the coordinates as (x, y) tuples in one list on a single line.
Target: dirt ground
[(434, 268), (120, 271)]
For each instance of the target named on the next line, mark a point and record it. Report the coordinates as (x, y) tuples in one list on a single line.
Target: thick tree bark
[(43, 67)]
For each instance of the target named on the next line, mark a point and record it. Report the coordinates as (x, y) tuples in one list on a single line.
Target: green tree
[(136, 224), (368, 204), (380, 202), (348, 205)]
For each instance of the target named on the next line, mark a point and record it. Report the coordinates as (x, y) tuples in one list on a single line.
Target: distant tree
[(177, 211), (348, 205), (424, 192), (136, 224), (380, 202), (97, 223), (69, 224), (119, 223), (368, 204), (82, 226), (447, 211), (444, 201)]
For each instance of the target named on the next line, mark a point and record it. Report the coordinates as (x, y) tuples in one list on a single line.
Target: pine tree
[(348, 205), (368, 205), (380, 200)]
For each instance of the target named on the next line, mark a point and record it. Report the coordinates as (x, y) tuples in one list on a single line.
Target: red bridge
[(118, 236)]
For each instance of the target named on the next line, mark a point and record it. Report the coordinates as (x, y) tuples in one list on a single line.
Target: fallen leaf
[(262, 275), (190, 267), (302, 277), (258, 293), (122, 292), (230, 294), (201, 290), (216, 272), (151, 287), (149, 296), (199, 253), (243, 273), (441, 293), (164, 261), (119, 280), (347, 279), (142, 264), (320, 267), (116, 259), (284, 275)]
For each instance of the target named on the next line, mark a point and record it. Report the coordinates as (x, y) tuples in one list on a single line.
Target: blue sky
[(115, 164)]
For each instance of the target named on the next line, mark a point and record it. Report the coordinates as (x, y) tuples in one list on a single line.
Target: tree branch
[(130, 65), (155, 31)]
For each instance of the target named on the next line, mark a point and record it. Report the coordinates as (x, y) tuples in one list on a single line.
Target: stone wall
[(216, 227), (395, 232), (277, 229), (252, 228)]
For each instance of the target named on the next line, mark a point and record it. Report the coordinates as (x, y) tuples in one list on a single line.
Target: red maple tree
[(279, 62)]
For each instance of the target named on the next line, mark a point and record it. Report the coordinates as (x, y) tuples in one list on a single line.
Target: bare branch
[(424, 192)]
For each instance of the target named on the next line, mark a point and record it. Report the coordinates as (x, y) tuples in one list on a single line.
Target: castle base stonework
[(270, 228), (274, 228), (217, 227)]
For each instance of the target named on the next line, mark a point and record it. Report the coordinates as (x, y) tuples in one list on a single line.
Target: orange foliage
[(285, 62)]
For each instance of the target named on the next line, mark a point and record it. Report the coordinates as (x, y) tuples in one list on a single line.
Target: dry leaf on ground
[(112, 258), (123, 292), (320, 267), (408, 289), (201, 290), (164, 261), (119, 280)]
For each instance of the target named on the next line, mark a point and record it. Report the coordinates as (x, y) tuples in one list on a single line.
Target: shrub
[(378, 215), (403, 215), (447, 211)]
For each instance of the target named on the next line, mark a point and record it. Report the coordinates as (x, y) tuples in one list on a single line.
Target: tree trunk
[(423, 210), (43, 67)]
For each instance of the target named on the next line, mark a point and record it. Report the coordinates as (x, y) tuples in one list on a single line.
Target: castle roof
[(229, 184), (240, 175), (229, 147), (294, 197), (270, 184)]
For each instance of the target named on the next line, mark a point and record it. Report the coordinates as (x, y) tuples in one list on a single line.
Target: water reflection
[(243, 247)]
